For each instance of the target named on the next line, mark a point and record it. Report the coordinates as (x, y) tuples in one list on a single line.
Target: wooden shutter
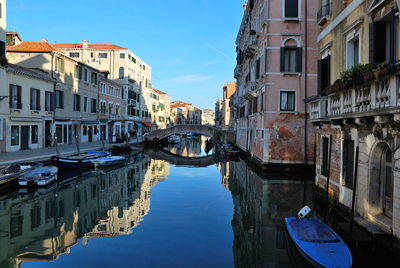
[(19, 97), (299, 60), (282, 59), (10, 96), (393, 27), (2, 49), (38, 99), (320, 78), (372, 43)]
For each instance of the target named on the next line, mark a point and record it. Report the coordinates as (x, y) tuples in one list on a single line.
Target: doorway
[(25, 137), (381, 181)]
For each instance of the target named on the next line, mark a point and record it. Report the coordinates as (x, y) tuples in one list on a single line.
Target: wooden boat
[(318, 244), (75, 161), (100, 153), (108, 161), (41, 176), (9, 175)]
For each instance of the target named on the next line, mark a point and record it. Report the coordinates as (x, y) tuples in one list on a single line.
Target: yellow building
[(356, 111)]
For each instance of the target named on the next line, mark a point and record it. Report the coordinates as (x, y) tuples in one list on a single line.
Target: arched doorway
[(381, 181)]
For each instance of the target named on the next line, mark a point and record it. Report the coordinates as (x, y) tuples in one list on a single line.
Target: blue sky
[(190, 44)]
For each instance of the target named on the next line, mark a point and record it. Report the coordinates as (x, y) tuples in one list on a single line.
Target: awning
[(139, 125), (90, 123), (147, 124)]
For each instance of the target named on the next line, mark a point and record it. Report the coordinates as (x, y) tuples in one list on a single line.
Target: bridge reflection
[(179, 160)]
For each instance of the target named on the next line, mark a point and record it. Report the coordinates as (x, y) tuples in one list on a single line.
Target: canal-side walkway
[(45, 153)]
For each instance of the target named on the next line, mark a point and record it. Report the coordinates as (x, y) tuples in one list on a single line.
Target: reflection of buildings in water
[(188, 147), (260, 206), (227, 171), (41, 227)]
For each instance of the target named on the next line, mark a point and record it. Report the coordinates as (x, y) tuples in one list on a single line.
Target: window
[(324, 73), (111, 91), (94, 78), (118, 92), (117, 109), (258, 68), (49, 105), (121, 73), (291, 9), (34, 134), (133, 60), (266, 60), (84, 130), (16, 225), (291, 59), (1, 128), (287, 101), (85, 104), (103, 55), (93, 106), (86, 75), (35, 99), (92, 54), (382, 39), (348, 163), (78, 72), (59, 99), (325, 152), (77, 102), (59, 131), (15, 97), (60, 64), (74, 54), (353, 52), (110, 108), (122, 55), (14, 135), (2, 49)]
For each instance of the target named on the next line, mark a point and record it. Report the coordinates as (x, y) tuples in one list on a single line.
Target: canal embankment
[(44, 154)]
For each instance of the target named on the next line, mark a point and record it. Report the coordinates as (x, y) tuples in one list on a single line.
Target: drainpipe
[(305, 83), (52, 131)]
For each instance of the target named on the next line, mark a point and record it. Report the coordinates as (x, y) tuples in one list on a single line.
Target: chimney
[(85, 44), (44, 40)]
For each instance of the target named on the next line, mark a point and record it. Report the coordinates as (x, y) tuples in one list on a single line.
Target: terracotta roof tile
[(32, 46), (90, 46), (159, 91)]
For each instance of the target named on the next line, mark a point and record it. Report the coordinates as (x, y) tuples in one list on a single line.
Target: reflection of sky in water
[(187, 224)]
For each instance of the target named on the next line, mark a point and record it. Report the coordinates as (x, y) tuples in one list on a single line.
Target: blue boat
[(72, 162), (100, 153), (318, 243)]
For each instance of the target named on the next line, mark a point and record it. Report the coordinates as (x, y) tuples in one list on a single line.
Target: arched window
[(291, 57), (121, 73)]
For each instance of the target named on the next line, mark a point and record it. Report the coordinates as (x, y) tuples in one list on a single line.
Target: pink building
[(276, 71)]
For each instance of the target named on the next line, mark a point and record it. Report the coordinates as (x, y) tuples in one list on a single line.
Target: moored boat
[(41, 176), (108, 161), (318, 243), (99, 153), (76, 161), (9, 175)]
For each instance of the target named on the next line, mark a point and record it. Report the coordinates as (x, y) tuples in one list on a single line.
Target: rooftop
[(33, 46), (90, 46)]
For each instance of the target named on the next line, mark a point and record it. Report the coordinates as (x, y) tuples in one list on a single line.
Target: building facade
[(208, 117), (160, 108), (126, 68), (275, 72), (356, 111), (184, 113), (226, 106)]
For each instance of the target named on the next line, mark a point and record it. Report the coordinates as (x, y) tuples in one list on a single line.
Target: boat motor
[(303, 212)]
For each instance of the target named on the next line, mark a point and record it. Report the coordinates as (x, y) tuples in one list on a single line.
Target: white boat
[(108, 161), (41, 176)]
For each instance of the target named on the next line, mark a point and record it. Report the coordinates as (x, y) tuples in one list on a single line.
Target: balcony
[(323, 14), (377, 98), (132, 103), (238, 71)]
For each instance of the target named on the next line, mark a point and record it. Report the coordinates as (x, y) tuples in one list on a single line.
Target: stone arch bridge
[(205, 130)]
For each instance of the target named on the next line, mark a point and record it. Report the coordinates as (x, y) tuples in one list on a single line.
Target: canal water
[(159, 210)]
